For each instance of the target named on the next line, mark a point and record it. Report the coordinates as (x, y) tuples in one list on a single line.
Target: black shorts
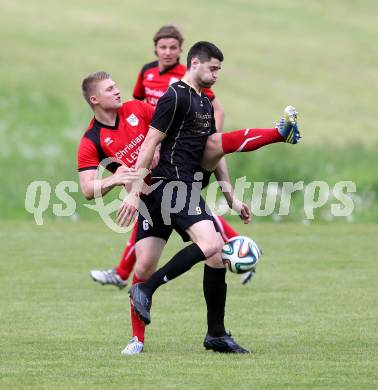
[(172, 205)]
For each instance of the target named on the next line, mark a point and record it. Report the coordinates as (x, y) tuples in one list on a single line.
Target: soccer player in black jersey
[(182, 123)]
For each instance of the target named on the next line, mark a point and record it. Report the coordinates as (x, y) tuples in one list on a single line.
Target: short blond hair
[(89, 84)]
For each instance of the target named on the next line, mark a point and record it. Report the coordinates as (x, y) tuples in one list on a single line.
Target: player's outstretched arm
[(92, 187), (127, 212)]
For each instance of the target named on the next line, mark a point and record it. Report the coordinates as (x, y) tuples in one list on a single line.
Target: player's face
[(207, 72), (108, 96), (167, 51)]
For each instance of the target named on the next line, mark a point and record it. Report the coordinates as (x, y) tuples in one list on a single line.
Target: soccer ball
[(240, 254)]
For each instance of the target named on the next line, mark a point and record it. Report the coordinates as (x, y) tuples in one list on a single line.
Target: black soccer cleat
[(223, 344), (141, 302)]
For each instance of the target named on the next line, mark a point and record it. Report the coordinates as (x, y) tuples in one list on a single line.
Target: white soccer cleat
[(291, 114), (133, 347), (288, 125), (108, 276)]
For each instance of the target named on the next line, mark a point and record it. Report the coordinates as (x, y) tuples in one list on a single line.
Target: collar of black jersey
[(99, 124), (191, 86), (168, 69)]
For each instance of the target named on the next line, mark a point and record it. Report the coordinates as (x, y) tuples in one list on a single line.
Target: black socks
[(180, 263), (215, 291), (214, 284)]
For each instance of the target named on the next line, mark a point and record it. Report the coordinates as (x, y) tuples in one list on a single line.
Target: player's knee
[(145, 267), (214, 143), (143, 273), (210, 248), (215, 261)]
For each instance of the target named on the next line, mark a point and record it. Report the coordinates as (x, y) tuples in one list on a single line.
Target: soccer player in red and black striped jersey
[(152, 82), (118, 131), (155, 77)]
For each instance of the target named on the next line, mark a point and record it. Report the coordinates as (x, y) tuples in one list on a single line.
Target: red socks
[(226, 231), (128, 259), (124, 270), (136, 324), (249, 139)]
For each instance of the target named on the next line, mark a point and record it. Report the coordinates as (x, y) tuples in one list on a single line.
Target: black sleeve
[(166, 111)]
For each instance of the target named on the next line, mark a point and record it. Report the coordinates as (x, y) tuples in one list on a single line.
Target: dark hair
[(168, 31), (89, 84), (204, 51)]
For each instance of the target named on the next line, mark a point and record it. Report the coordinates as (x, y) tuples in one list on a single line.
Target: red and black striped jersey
[(121, 141), (151, 84)]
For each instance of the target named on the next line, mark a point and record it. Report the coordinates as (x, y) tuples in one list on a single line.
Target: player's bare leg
[(203, 234), (148, 252)]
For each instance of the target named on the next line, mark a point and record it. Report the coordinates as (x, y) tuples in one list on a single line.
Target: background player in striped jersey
[(155, 77), (152, 82), (114, 125)]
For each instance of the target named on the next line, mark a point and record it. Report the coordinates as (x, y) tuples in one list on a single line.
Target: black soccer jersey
[(187, 118)]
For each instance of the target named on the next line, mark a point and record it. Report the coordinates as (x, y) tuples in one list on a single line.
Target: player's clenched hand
[(245, 213), (128, 210), (125, 175), (243, 210)]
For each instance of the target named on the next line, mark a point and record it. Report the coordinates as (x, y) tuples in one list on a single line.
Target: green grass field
[(310, 314)]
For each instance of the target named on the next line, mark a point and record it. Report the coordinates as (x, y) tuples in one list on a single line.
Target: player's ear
[(93, 99), (195, 63)]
